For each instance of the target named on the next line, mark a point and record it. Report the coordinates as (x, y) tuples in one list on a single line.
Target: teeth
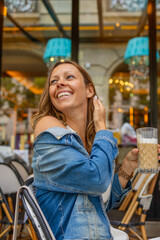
[(64, 94)]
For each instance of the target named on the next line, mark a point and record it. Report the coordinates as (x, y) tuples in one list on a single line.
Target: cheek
[(51, 92)]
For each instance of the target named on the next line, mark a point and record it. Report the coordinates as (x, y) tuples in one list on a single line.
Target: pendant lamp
[(57, 49), (137, 57)]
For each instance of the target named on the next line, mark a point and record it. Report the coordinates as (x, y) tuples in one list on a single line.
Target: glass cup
[(147, 143)]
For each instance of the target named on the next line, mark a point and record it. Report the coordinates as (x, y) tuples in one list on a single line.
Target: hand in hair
[(99, 115)]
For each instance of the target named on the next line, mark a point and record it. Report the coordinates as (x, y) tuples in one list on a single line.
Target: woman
[(74, 157)]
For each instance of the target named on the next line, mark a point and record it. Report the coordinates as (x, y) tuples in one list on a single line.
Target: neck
[(78, 124)]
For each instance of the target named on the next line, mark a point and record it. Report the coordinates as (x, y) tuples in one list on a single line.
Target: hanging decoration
[(137, 57), (57, 49)]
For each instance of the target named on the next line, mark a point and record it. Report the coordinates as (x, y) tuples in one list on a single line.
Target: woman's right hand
[(99, 115)]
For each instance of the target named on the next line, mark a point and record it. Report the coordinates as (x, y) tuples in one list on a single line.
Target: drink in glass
[(147, 143)]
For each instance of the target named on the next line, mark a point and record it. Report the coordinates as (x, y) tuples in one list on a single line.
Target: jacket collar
[(58, 132)]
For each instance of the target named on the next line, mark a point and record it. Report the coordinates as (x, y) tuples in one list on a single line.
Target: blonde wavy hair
[(46, 108)]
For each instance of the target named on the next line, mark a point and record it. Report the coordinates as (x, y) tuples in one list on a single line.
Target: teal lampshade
[(137, 47), (57, 48)]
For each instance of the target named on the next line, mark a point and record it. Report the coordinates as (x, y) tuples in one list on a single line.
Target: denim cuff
[(118, 189)]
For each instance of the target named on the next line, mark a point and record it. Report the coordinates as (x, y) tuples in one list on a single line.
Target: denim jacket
[(69, 183)]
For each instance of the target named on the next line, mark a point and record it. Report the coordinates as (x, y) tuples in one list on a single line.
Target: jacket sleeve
[(67, 168), (117, 193)]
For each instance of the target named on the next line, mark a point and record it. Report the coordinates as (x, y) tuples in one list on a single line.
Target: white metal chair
[(20, 165), (39, 226), (10, 181), (21, 168)]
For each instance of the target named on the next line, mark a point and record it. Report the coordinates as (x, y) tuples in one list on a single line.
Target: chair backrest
[(10, 180), (136, 184), (34, 212), (17, 158), (139, 181), (146, 193), (142, 193), (20, 168), (19, 164), (146, 185)]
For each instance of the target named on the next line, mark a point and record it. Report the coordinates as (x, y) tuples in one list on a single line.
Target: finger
[(100, 106), (95, 103), (132, 155), (100, 103)]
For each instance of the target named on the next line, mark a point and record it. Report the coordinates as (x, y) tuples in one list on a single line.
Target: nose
[(61, 82)]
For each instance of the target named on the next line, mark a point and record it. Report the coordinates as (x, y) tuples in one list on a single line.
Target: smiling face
[(67, 89)]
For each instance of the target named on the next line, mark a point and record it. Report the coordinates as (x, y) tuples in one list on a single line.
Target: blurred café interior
[(116, 41)]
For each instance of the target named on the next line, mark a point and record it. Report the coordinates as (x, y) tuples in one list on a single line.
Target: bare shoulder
[(45, 123)]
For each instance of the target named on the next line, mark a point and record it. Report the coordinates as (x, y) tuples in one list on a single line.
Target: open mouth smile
[(62, 94)]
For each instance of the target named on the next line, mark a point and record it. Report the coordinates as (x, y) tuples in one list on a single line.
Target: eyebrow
[(54, 76), (67, 72)]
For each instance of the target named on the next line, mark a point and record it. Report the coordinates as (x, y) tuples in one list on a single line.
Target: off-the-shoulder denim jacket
[(69, 183)]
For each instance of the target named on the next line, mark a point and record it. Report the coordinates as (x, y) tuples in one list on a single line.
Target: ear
[(90, 90)]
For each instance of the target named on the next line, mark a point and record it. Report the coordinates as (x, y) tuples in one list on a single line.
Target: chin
[(64, 108)]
